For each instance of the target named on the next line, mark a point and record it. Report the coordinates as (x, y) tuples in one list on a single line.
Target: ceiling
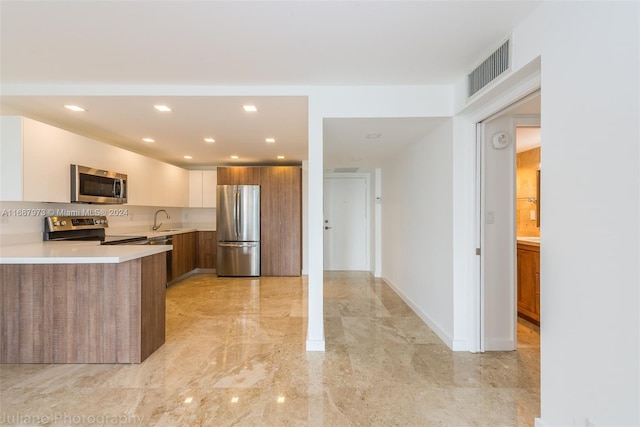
[(54, 53)]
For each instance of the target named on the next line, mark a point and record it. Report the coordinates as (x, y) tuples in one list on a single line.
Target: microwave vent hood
[(91, 185)]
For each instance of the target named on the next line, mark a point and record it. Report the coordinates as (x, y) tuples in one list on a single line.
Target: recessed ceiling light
[(250, 108), (280, 399), (235, 157), (188, 400), (271, 140), (373, 135), (74, 108), (162, 108), (209, 140), (280, 157), (188, 157), (148, 140), (235, 399)]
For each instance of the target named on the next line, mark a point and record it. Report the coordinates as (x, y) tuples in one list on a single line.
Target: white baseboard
[(315, 345), (460, 345), (499, 345), (448, 340)]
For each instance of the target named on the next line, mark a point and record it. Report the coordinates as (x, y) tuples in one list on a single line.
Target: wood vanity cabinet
[(207, 248), (280, 214), (529, 282), (183, 258)]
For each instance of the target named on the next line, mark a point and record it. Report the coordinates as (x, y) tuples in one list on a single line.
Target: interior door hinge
[(477, 251)]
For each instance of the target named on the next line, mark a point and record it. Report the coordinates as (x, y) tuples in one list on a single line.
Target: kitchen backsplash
[(23, 222), (527, 163)]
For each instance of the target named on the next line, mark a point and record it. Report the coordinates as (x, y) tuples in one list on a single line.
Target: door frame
[(500, 96), (514, 121), (367, 203)]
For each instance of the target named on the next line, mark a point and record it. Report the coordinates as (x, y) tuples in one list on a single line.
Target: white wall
[(590, 231), (590, 262), (417, 210)]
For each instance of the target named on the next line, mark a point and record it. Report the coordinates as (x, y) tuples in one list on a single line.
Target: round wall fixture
[(501, 140)]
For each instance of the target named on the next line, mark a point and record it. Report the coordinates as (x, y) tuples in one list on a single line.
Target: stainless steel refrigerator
[(238, 230)]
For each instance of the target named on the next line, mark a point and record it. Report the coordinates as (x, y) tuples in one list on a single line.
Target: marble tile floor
[(235, 356)]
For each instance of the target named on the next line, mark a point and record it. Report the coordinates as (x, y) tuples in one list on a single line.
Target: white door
[(498, 240), (346, 223)]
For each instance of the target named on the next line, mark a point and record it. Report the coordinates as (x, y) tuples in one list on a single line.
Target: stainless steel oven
[(86, 228), (89, 185)]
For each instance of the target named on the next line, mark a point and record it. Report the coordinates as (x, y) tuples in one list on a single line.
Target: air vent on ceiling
[(351, 170), (496, 64)]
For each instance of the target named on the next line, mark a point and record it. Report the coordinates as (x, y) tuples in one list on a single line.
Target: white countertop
[(88, 252), (76, 253), (533, 241), (150, 234)]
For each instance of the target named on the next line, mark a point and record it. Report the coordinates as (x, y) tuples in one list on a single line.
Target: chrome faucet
[(155, 219)]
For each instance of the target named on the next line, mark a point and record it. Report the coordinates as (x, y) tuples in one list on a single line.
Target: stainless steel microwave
[(90, 185)]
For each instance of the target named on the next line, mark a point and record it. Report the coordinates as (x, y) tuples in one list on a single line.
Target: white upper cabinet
[(38, 158), (209, 184), (195, 189), (202, 189), (10, 158)]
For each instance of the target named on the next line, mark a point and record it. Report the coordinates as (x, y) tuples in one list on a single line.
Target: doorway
[(498, 222), (346, 223)]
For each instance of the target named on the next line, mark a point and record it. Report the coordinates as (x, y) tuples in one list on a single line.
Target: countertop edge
[(77, 254)]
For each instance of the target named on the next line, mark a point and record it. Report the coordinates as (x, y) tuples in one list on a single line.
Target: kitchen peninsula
[(79, 302)]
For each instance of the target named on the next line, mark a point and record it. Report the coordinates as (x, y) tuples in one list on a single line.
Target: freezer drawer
[(238, 259)]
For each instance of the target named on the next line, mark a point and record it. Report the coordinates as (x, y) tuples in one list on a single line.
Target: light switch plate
[(491, 217)]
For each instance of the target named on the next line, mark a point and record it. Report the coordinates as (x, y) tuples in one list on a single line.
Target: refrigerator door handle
[(240, 208), (236, 226), (237, 245)]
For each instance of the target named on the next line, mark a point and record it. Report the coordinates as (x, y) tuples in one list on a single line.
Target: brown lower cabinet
[(529, 282), (82, 313), (183, 257), (207, 249)]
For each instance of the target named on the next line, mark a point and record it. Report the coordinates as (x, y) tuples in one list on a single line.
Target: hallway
[(235, 355)]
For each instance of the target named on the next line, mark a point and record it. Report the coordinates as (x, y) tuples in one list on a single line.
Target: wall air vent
[(341, 170), (496, 64)]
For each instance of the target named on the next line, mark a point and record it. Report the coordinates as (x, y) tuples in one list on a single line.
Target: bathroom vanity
[(529, 279)]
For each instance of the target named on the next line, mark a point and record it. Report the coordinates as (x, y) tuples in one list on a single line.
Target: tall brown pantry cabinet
[(280, 214)]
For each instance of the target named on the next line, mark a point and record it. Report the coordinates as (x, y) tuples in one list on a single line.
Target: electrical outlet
[(532, 215)]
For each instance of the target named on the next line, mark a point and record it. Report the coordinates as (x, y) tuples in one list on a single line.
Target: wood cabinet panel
[(529, 282), (152, 303), (82, 313), (207, 249), (281, 221), (244, 175), (183, 258)]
